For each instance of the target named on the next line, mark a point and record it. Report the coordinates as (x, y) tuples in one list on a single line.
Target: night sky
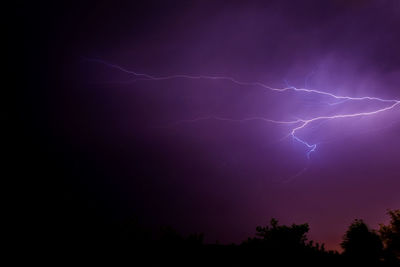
[(195, 153)]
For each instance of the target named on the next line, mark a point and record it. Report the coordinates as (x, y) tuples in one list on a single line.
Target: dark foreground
[(274, 245)]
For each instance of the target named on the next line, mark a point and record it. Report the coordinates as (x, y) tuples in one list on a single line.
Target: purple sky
[(224, 178)]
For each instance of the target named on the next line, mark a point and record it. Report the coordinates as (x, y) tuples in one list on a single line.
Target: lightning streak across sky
[(299, 124)]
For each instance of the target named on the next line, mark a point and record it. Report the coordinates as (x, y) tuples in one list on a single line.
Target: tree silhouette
[(280, 236), (361, 244), (273, 245), (280, 245), (390, 235)]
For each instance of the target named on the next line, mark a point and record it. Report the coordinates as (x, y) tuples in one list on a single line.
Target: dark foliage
[(361, 245), (390, 235), (273, 245)]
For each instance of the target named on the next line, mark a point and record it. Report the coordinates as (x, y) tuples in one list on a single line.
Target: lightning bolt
[(299, 124)]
